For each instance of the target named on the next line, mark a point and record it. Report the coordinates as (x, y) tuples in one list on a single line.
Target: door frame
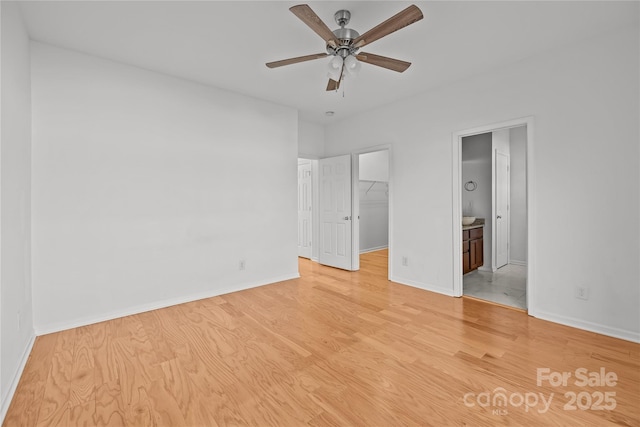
[(456, 194), (308, 162), (494, 206), (355, 209)]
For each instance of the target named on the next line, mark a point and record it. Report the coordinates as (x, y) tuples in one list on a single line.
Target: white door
[(335, 212), (502, 209), (304, 210)]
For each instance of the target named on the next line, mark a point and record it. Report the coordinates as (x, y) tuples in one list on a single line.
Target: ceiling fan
[(344, 43)]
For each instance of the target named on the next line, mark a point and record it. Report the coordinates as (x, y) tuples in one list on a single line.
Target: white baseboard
[(377, 248), (518, 262), (590, 326), (61, 326), (423, 286), (16, 378)]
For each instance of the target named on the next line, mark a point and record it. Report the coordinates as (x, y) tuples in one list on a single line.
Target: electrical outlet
[(405, 261), (582, 293), (243, 264)]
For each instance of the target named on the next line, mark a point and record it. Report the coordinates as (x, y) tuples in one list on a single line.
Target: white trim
[(377, 248), (456, 194), (531, 220), (355, 211), (421, 285), (16, 378), (308, 156), (374, 203), (492, 220), (518, 262), (89, 320), (590, 326)]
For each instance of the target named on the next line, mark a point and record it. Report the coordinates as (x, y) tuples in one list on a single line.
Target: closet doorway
[(371, 199)]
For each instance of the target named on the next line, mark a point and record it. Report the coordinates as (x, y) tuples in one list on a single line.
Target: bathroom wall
[(476, 167)]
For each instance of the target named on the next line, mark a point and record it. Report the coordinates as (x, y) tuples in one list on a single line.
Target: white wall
[(374, 166), (310, 140), (584, 99), (476, 167), (149, 190), (518, 216), (15, 212)]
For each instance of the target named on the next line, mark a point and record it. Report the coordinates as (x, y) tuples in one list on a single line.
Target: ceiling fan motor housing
[(344, 35)]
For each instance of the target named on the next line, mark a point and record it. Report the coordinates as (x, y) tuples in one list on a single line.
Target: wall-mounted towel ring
[(470, 185)]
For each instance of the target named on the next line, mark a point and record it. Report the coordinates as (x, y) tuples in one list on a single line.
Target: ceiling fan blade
[(383, 61), (333, 85), (396, 22), (276, 64), (309, 17)]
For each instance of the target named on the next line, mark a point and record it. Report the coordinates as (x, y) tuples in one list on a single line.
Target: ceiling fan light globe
[(334, 68), (336, 62), (350, 61), (352, 65)]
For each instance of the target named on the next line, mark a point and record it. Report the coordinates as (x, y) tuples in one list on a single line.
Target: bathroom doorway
[(493, 194)]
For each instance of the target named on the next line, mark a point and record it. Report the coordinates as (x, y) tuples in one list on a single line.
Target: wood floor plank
[(82, 388), (55, 405), (333, 348), (25, 406), (109, 408)]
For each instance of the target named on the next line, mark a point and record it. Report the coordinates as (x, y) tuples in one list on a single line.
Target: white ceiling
[(226, 43)]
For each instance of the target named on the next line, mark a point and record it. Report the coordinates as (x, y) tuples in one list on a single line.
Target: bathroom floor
[(506, 286)]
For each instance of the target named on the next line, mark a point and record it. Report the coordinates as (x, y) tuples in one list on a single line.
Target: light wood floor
[(330, 349)]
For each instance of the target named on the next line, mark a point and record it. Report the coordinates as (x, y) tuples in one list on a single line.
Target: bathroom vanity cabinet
[(472, 247)]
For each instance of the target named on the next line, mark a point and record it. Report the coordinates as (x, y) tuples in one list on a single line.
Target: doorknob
[(499, 217), (347, 218)]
